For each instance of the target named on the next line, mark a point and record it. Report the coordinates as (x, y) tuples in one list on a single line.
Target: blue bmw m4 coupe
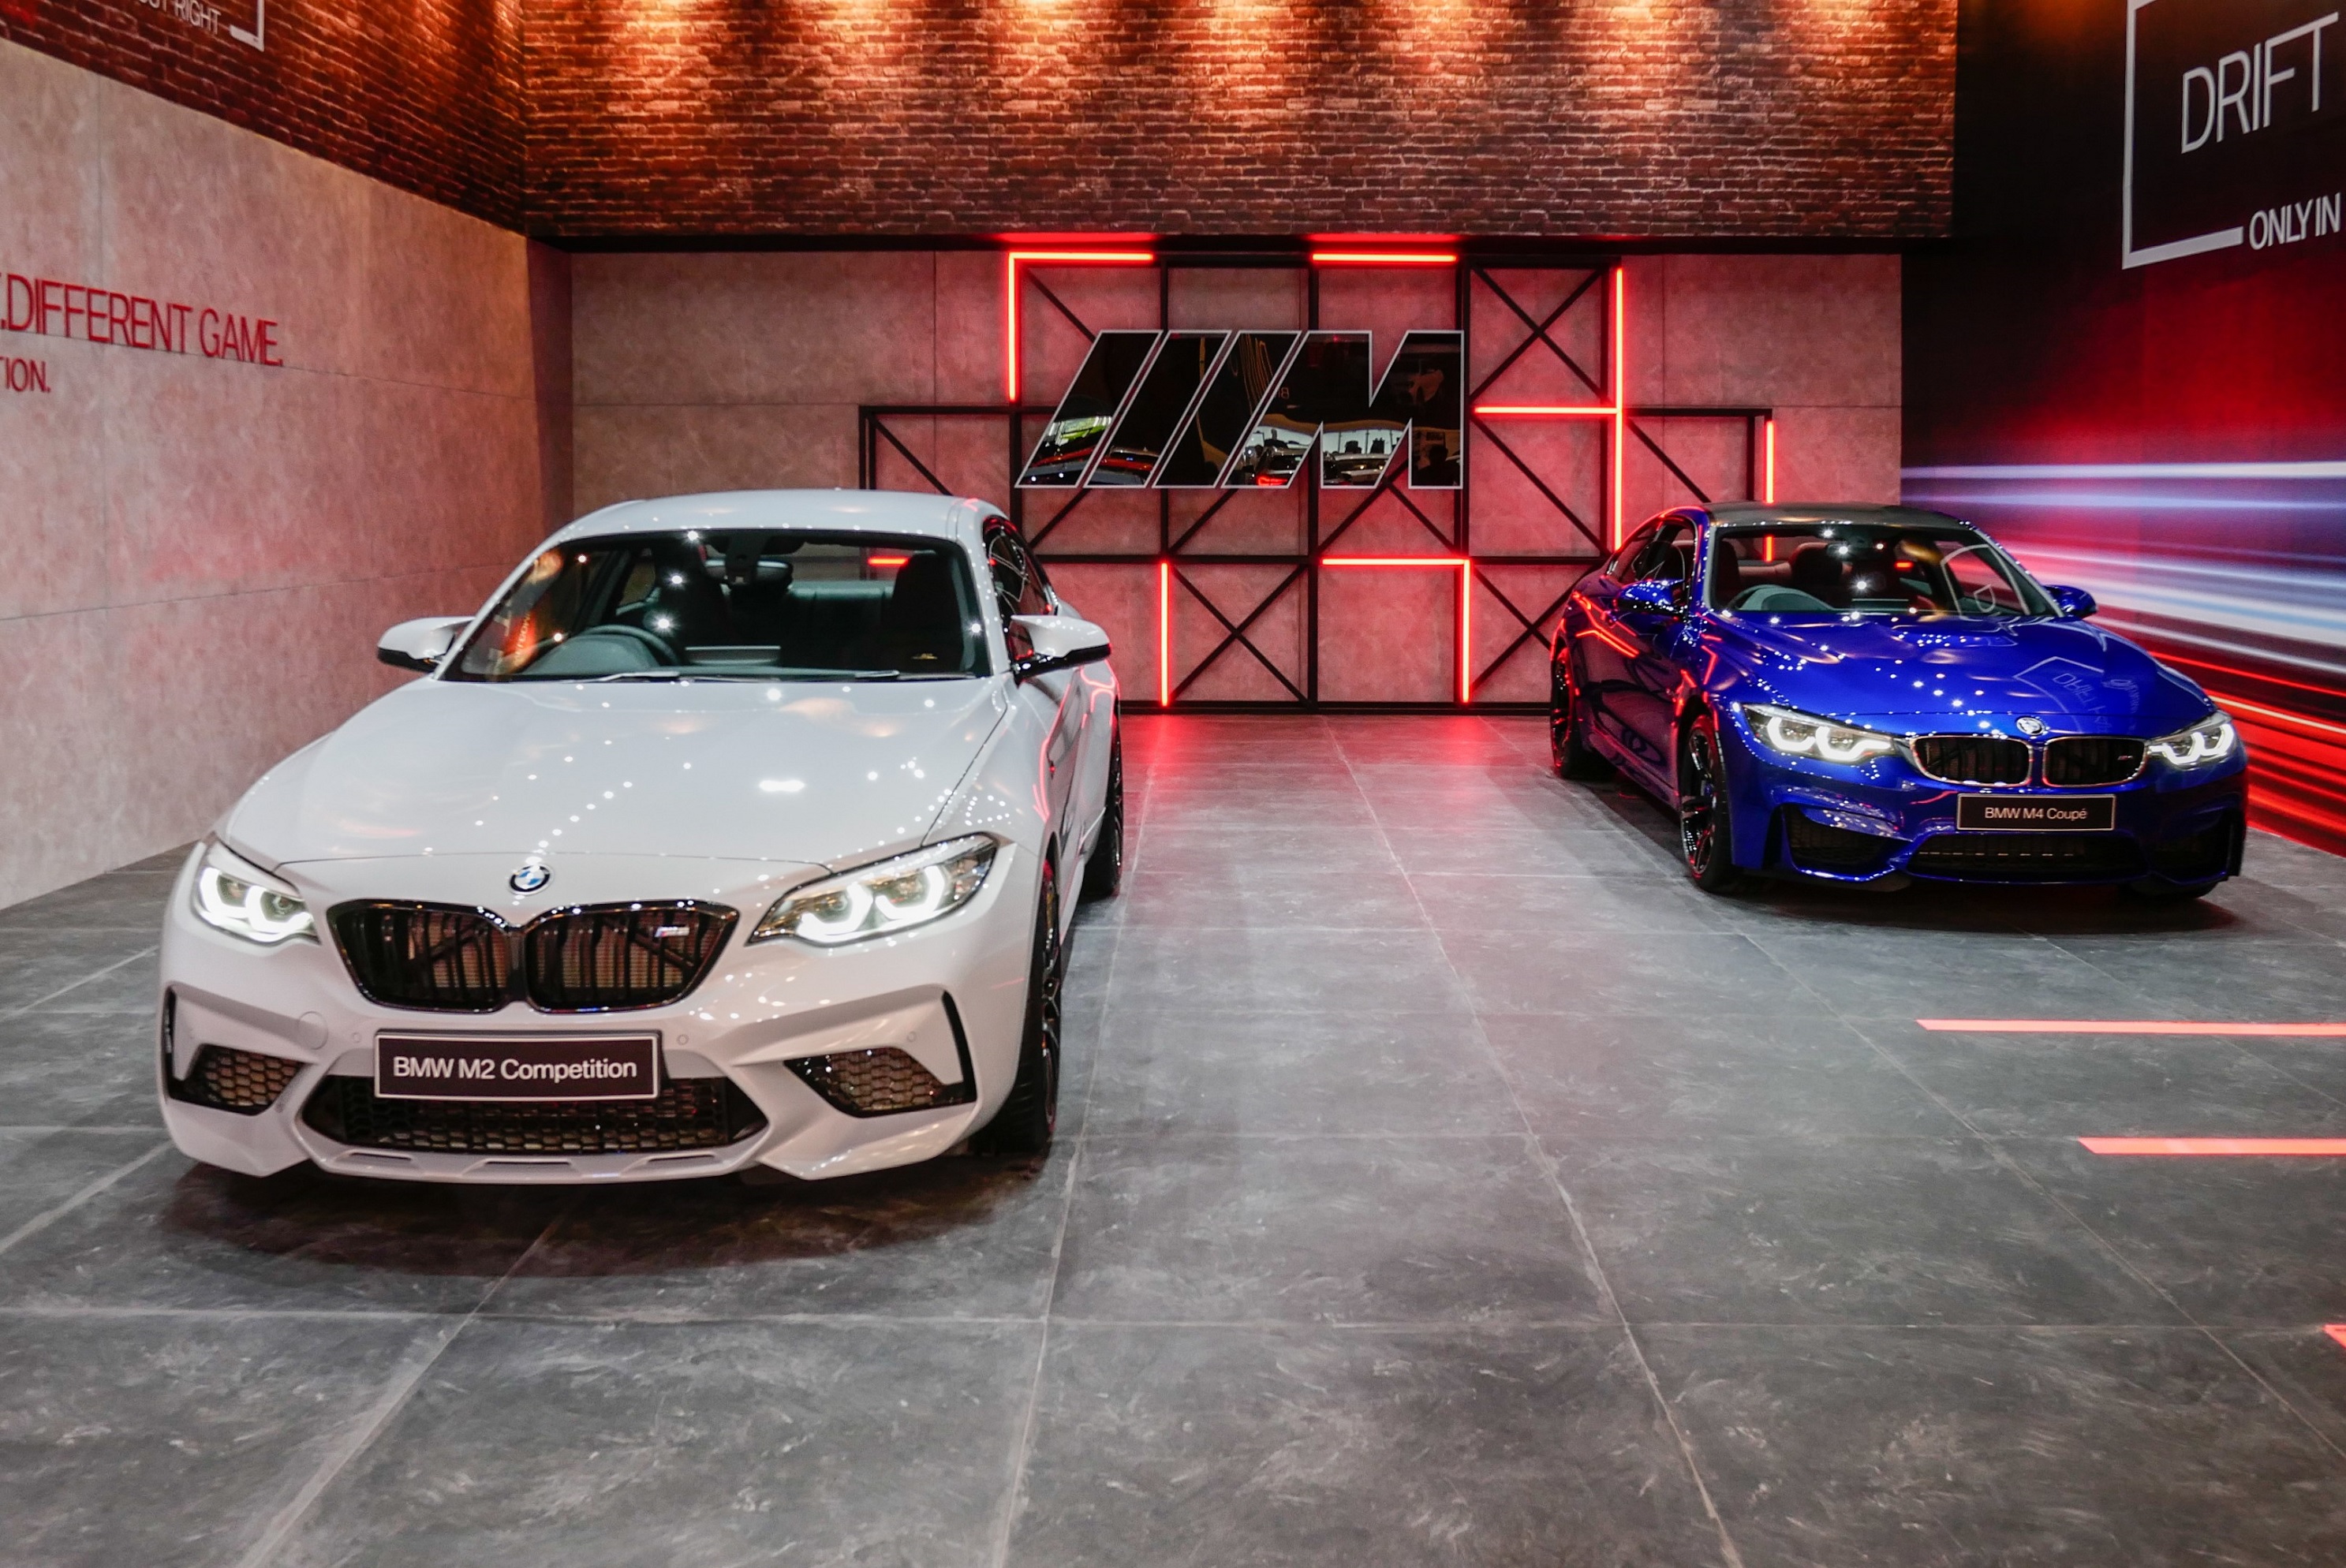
[(1859, 693)]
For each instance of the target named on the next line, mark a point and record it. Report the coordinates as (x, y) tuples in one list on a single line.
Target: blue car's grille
[(2077, 760), (1973, 758)]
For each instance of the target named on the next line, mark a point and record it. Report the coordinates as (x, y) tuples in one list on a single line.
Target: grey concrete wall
[(200, 551)]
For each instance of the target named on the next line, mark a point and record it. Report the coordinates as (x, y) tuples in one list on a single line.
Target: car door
[(1602, 653), (1628, 652), (1047, 707)]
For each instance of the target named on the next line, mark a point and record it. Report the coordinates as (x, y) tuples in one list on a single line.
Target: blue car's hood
[(2074, 676)]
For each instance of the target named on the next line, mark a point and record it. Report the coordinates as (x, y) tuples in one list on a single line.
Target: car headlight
[(2212, 739), (244, 900), (887, 896), (1804, 734)]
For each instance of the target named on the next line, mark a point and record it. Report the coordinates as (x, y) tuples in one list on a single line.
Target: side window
[(1619, 569), (1668, 557)]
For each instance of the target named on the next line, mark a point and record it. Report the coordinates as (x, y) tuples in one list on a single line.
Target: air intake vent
[(425, 955), (691, 1114), (2028, 857), (879, 1082), (2075, 760), (1821, 846), (1973, 758), (611, 956), (224, 1079)]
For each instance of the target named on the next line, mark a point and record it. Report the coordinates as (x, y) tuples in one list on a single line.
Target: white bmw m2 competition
[(738, 830)]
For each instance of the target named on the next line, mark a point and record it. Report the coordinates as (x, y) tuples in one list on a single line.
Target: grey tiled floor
[(1444, 1182)]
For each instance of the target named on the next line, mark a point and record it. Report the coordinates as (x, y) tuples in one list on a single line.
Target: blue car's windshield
[(1868, 569)]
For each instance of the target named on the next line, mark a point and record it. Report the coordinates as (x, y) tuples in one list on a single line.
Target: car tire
[(1031, 1115), (1567, 731), (1104, 868), (1706, 826)]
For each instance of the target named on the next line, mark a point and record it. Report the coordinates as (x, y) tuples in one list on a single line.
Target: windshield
[(761, 606), (1868, 569)]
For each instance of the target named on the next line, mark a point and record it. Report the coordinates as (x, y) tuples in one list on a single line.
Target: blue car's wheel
[(1568, 730), (1706, 834)]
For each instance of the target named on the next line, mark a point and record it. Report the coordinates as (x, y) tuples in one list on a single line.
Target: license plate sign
[(489, 1068), (2036, 813)]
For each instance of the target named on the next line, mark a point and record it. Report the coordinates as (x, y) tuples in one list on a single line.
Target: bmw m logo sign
[(1222, 410), (532, 876)]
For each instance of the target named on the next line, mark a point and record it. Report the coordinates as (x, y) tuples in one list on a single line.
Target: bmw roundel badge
[(2031, 725), (532, 876)]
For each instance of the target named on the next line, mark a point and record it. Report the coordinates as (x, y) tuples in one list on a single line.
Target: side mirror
[(2075, 603), (1653, 597), (1056, 642), (420, 645)]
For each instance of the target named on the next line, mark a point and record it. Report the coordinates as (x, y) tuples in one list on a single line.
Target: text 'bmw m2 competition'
[(1858, 693), (737, 830)]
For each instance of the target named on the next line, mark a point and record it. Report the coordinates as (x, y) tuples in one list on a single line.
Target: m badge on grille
[(532, 876)]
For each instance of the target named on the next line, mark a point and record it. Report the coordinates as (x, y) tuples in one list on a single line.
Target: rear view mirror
[(2075, 603), (1056, 642), (420, 645)]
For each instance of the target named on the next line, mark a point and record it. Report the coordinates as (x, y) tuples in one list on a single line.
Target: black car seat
[(1817, 573), (1726, 572), (921, 628)]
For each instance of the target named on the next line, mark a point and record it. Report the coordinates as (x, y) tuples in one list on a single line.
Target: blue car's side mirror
[(2075, 603), (1653, 597)]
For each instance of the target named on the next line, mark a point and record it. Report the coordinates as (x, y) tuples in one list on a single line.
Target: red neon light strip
[(1465, 565), (1620, 392), (1549, 410), (2216, 1145), (2297, 718), (1767, 473), (2125, 1026), (1010, 261), (2336, 1332), (2242, 673), (1382, 259), (1164, 634)]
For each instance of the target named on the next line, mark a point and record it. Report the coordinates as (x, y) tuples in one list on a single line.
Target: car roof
[(1732, 514), (842, 511)]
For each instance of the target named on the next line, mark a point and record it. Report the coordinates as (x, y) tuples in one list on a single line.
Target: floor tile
[(1851, 1230), (175, 1234), (1695, 1076), (539, 1445), (131, 985), (2234, 1239), (1356, 1230), (1953, 1448), (1490, 901), (125, 901), (1272, 898), (1907, 973), (1628, 972), (1286, 1447), (1563, 852), (40, 1170), (2257, 982), (58, 1069), (961, 1237), (2068, 1085), (1285, 971), (1264, 1072), (155, 1439), (2304, 1366)]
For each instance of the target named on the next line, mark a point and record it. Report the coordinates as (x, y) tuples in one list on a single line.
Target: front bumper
[(1884, 817), (950, 996)]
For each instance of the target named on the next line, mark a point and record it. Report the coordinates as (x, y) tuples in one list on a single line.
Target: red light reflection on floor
[(2216, 1145), (2125, 1026)]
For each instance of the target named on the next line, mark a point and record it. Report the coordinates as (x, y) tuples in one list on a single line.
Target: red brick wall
[(1576, 118), (423, 94)]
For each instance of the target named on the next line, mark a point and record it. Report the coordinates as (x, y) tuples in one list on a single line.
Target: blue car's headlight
[(2212, 739), (1804, 734)]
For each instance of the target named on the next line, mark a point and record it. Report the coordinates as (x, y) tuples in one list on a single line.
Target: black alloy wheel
[(1705, 833), (1103, 868), (1568, 733), (1028, 1117)]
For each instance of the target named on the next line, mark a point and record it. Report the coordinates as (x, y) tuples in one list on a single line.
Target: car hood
[(829, 775), (2074, 676)]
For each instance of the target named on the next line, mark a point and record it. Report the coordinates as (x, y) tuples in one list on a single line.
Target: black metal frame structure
[(1328, 515)]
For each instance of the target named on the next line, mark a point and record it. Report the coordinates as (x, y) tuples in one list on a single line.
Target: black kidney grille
[(689, 1114), (1973, 758), (621, 955), (425, 955), (2079, 760)]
